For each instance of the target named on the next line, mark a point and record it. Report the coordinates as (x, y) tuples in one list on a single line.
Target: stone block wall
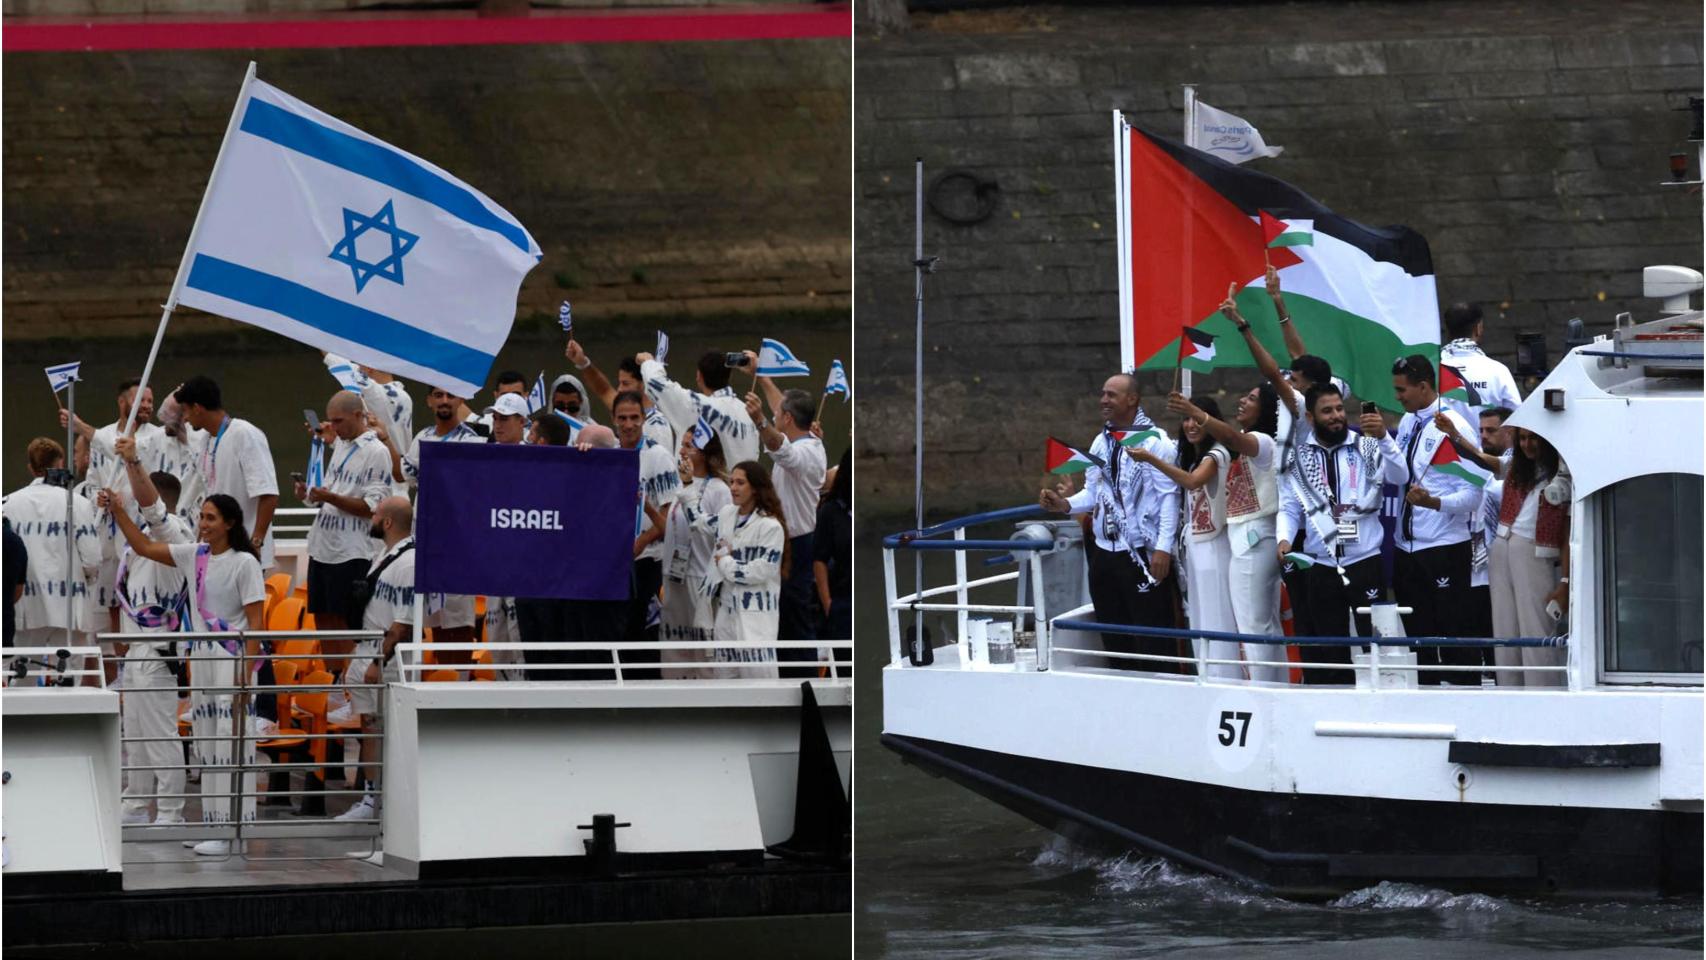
[(659, 179), (1526, 142)]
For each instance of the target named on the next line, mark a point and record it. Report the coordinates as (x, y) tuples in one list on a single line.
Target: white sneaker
[(215, 848), (344, 716), (136, 817), (364, 809), (169, 821)]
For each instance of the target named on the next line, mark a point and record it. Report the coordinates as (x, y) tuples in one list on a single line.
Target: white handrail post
[(1039, 609), (1200, 646), (893, 614), (961, 594)]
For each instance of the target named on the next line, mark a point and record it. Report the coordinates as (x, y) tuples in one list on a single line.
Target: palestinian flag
[(1278, 233), (1452, 386), (1447, 460), (1191, 224), (1299, 561), (1136, 439), (1196, 345), (1065, 459)]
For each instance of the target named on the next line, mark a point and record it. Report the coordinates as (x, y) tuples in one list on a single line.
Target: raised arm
[(597, 383), (133, 535), (1198, 476), (140, 484), (772, 393), (771, 437), (1264, 360), (1244, 444), (1448, 427), (1293, 339)]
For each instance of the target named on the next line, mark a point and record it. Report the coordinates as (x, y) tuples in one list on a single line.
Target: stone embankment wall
[(1526, 142)]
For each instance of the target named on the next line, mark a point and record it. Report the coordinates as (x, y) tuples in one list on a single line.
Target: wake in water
[(1135, 875)]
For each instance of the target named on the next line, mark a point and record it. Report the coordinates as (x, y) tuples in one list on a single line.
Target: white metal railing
[(1378, 660), (295, 735), (606, 662), (293, 523)]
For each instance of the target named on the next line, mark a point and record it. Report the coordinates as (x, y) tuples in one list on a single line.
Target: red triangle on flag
[(1271, 227)]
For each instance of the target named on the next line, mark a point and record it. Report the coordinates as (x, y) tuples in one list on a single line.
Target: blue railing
[(921, 539)]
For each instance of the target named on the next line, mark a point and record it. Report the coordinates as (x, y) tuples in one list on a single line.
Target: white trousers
[(1254, 579), (1207, 573), (687, 617), (213, 724), (1520, 583), (149, 708)]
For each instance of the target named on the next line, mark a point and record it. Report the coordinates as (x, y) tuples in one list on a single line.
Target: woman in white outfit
[(687, 544), (747, 562), (1252, 501), (226, 594), (1201, 473)]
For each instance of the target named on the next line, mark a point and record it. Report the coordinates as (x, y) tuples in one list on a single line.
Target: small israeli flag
[(316, 475), (368, 251), (702, 434), (345, 373), (565, 319), (63, 375), (663, 348), (536, 396), (838, 382), (776, 360), (575, 426)]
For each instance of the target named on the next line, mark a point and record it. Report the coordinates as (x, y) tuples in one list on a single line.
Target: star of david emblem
[(385, 222)]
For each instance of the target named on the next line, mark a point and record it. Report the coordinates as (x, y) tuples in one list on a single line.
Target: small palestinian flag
[(1452, 386), (1066, 459), (1447, 460), (1136, 439), (1278, 233), (1299, 561), (1197, 345)]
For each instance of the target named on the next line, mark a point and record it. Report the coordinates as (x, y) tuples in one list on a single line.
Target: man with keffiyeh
[(1331, 496), (1134, 521)]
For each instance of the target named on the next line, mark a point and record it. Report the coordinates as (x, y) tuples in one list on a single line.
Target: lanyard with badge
[(210, 465)]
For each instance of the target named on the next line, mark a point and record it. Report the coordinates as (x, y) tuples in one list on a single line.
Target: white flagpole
[(1122, 240), (189, 246), (1190, 141), (70, 517)]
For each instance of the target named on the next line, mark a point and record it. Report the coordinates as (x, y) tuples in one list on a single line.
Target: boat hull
[(1315, 846)]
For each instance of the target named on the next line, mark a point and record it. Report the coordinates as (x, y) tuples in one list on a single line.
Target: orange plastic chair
[(308, 622), (301, 592), (284, 674), (441, 676), (484, 657), (286, 614), (279, 583)]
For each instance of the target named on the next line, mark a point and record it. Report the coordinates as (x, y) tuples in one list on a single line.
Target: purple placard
[(526, 521)]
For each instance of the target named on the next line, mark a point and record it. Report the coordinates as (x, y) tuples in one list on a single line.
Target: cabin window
[(1653, 578)]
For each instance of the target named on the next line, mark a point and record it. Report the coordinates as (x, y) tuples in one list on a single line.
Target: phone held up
[(734, 359)]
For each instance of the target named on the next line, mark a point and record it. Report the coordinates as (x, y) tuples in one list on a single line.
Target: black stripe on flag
[(1251, 192)]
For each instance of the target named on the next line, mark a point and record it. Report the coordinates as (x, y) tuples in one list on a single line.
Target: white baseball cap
[(509, 405)]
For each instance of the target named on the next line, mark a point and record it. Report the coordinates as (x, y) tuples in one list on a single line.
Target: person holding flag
[(714, 401), (1200, 471), (388, 404), (1442, 492), (1134, 522), (1490, 379), (798, 465)]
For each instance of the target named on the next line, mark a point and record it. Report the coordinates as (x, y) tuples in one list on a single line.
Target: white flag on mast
[(1229, 137), (316, 231)]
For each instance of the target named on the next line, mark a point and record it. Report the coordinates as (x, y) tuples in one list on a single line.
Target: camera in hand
[(734, 359)]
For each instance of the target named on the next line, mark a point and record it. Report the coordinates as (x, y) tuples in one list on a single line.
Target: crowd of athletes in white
[(173, 531)]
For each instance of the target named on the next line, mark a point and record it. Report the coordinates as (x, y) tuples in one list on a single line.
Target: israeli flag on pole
[(838, 382), (702, 434), (663, 348), (63, 375), (776, 360), (345, 373), (536, 396), (316, 475), (316, 231), (566, 319)]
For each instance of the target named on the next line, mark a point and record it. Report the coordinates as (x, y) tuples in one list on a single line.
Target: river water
[(268, 380), (943, 873)]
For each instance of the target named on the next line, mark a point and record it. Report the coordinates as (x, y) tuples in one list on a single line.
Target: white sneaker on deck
[(215, 848), (141, 817), (366, 808)]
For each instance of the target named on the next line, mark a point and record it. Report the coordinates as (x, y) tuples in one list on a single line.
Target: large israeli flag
[(314, 230)]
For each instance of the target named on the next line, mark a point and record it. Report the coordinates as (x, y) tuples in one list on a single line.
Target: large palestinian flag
[(1191, 223)]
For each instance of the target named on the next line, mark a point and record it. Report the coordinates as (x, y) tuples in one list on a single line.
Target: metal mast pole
[(72, 574), (920, 653), (1190, 141)]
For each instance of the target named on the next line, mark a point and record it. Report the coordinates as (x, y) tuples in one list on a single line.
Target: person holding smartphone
[(715, 402)]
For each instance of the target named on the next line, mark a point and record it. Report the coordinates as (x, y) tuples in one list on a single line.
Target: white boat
[(1591, 789)]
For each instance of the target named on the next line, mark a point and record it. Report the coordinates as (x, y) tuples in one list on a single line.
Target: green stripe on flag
[(1294, 238), (1299, 560), (1462, 472), (1134, 439), (1359, 350)]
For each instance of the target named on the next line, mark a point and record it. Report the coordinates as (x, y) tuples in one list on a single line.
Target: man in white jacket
[(714, 402)]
